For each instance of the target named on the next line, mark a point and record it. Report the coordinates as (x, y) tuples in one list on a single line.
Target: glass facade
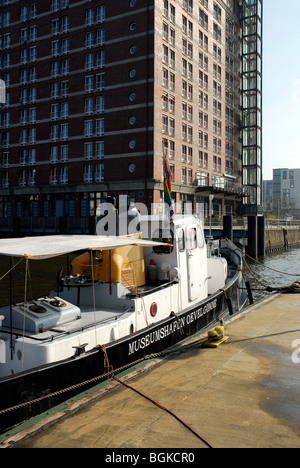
[(252, 104)]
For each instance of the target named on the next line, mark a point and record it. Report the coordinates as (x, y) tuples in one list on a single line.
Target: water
[(275, 270)]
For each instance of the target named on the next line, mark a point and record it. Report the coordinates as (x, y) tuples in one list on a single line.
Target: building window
[(64, 153), (65, 24), (101, 14), (101, 59), (89, 39), (63, 175), (89, 17), (99, 149), (64, 131), (54, 133), (101, 37), (99, 127), (99, 174), (54, 111), (54, 154), (183, 175), (65, 110), (100, 104), (100, 82), (88, 151), (89, 84), (87, 175), (88, 128)]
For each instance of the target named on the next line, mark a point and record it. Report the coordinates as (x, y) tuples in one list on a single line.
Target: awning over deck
[(39, 248)]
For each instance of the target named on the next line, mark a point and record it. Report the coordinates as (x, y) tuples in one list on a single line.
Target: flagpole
[(167, 181)]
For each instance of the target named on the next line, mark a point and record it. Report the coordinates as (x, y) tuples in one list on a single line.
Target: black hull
[(43, 381)]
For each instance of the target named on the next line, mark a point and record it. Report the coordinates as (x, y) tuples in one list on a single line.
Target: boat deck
[(244, 393)]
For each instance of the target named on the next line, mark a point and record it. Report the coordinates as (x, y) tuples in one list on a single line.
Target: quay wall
[(281, 238)]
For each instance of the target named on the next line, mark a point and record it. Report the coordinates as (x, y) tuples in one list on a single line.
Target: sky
[(281, 85)]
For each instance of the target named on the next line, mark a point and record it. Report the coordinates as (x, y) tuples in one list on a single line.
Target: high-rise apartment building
[(93, 89)]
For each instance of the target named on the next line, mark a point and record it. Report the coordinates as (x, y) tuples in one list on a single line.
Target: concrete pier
[(244, 394)]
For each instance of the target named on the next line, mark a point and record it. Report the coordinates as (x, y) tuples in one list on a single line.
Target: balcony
[(218, 185)]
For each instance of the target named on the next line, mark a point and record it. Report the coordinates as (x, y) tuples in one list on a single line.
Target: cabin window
[(181, 241), (191, 239), (165, 236)]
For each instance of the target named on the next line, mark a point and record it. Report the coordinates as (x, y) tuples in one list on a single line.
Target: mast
[(167, 181)]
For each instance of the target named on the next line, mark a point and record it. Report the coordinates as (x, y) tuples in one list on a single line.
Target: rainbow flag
[(167, 183)]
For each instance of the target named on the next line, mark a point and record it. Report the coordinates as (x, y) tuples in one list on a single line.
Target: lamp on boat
[(165, 268), (174, 274)]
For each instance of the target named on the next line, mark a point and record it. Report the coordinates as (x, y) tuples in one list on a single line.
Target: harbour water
[(276, 270)]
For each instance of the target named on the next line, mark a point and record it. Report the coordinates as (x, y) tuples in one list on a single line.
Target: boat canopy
[(43, 247)]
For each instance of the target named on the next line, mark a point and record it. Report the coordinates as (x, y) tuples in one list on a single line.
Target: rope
[(9, 271), (107, 360), (164, 409), (254, 276)]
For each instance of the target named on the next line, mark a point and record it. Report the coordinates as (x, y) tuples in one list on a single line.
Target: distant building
[(93, 88), (286, 192)]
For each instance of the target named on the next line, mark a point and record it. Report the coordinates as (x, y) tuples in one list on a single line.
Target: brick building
[(93, 88)]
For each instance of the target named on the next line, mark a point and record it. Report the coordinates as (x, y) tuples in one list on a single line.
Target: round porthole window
[(131, 168), (132, 120), (132, 26), (132, 3), (132, 97), (132, 144), (132, 50), (153, 309), (132, 73)]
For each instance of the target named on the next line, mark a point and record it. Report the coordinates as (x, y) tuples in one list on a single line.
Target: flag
[(167, 183)]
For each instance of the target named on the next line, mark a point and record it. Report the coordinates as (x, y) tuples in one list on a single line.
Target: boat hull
[(33, 392)]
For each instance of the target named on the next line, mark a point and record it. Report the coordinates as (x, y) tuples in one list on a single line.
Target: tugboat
[(127, 297)]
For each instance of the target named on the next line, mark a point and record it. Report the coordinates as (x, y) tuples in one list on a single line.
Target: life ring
[(153, 309)]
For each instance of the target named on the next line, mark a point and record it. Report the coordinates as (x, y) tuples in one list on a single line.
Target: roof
[(39, 248)]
